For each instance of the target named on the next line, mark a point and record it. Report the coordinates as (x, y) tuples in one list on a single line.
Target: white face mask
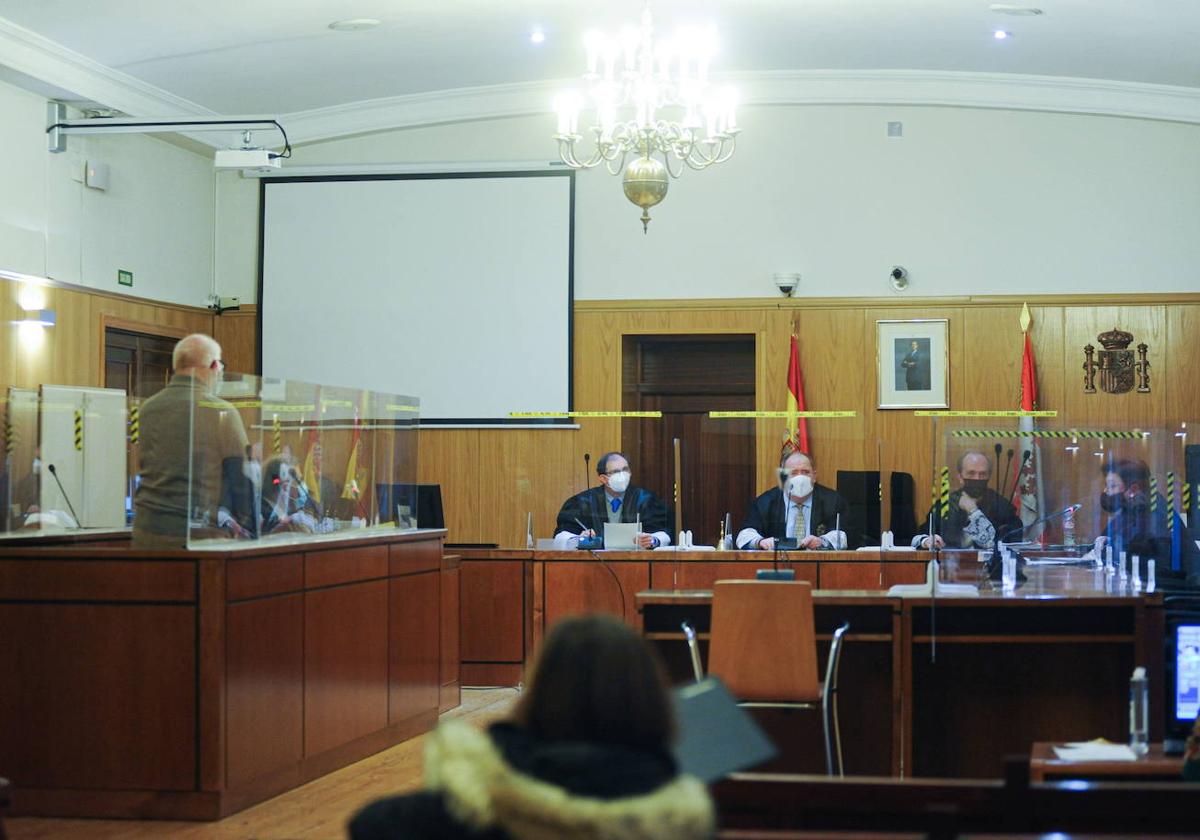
[(799, 486), (619, 481)]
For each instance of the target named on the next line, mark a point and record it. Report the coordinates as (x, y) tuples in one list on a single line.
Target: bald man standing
[(190, 441)]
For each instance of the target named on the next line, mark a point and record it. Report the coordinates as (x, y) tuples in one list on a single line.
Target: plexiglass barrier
[(1058, 495), (271, 459), (65, 465)]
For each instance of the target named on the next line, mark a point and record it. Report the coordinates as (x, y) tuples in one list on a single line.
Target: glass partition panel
[(274, 459), (66, 460), (1055, 494)]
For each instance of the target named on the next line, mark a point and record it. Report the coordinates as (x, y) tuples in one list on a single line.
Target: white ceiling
[(278, 56)]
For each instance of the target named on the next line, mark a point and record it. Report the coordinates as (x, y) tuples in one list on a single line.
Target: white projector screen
[(453, 288)]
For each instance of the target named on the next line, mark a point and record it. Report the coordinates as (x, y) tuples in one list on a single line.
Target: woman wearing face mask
[(1132, 525)]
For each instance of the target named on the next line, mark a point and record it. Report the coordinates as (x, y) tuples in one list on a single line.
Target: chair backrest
[(763, 644)]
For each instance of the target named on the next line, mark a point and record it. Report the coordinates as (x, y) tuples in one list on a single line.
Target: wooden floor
[(319, 809)]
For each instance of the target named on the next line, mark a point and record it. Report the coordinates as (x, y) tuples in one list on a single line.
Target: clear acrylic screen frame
[(320, 460)]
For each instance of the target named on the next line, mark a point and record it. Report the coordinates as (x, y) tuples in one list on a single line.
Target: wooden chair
[(763, 647)]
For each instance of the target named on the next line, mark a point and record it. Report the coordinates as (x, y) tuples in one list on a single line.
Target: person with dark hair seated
[(614, 500), (1137, 521), (586, 755)]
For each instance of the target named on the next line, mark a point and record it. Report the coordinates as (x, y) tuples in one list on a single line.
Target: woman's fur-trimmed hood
[(480, 788)]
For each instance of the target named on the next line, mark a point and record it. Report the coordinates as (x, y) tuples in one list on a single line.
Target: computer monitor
[(1187, 673), (411, 505), (1183, 682)]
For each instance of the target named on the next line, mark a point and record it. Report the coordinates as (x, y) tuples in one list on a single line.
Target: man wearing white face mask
[(799, 510), (614, 500)]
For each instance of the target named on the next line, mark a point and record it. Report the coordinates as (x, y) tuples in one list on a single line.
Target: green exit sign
[(124, 278)]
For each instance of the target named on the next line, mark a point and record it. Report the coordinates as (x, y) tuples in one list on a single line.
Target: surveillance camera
[(899, 278), (787, 283)]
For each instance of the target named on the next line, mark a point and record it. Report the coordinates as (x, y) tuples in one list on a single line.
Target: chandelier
[(633, 85)]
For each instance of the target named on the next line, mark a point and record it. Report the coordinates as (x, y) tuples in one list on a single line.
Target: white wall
[(156, 219), (969, 200)]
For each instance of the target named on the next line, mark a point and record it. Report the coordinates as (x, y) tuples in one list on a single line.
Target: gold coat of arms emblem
[(1115, 365)]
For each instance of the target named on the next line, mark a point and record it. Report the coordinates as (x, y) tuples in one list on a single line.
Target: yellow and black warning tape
[(945, 494), (78, 430), (1170, 501), (1061, 434), (560, 414), (135, 424), (1000, 413), (276, 436), (780, 415), (10, 436), (403, 407), (1153, 493)]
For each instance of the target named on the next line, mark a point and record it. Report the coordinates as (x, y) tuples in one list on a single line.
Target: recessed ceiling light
[(537, 36), (1015, 10), (1001, 35), (354, 25)]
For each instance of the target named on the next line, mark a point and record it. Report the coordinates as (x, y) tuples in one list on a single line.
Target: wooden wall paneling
[(453, 459), (413, 649), (524, 471), (1122, 411), (237, 333), (1177, 377), (265, 686), (990, 358), (702, 575), (346, 663), (107, 697), (835, 379)]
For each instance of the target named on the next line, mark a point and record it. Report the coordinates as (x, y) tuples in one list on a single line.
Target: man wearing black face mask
[(976, 513), (1131, 526)]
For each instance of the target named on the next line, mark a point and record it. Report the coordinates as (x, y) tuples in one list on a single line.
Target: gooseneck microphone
[(66, 498), (587, 475), (998, 448), (1004, 482)]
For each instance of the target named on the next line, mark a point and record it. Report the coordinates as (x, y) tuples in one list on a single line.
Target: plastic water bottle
[(1139, 707), (1069, 527)]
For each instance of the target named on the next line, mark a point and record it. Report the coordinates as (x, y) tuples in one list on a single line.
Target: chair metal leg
[(694, 650), (829, 704)]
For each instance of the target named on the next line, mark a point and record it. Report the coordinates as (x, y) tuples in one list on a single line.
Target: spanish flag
[(796, 439)]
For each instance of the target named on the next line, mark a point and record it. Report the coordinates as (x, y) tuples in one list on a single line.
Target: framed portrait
[(914, 363)]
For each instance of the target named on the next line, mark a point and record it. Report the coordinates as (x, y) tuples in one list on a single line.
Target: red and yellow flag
[(796, 438)]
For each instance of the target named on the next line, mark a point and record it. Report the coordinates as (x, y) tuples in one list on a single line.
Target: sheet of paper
[(1091, 751)]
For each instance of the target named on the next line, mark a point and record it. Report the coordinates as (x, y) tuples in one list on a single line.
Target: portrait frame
[(913, 363)]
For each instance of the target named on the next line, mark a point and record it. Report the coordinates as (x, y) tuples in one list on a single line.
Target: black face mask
[(975, 487), (1110, 502)]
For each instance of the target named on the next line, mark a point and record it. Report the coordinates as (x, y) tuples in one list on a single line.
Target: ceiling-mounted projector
[(255, 160)]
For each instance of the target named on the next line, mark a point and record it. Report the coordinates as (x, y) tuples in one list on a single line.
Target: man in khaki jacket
[(190, 438)]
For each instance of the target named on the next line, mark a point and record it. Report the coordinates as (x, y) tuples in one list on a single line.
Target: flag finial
[(1026, 318)]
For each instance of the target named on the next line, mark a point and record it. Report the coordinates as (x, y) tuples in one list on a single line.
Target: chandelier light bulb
[(650, 101)]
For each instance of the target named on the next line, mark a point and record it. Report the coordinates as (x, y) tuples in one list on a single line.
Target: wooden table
[(510, 596), (971, 679), (192, 684), (1046, 766)]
